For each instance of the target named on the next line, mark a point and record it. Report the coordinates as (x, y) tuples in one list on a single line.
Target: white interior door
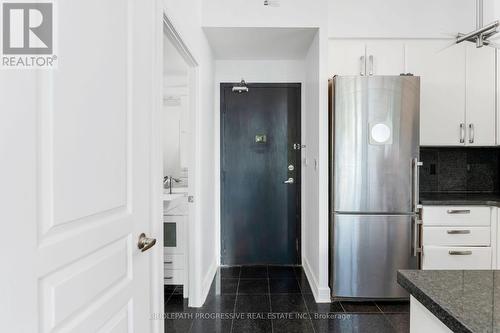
[(75, 176)]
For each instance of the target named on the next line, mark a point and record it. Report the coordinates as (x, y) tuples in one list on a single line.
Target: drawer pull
[(457, 232), (458, 211), (169, 262), (168, 277), (459, 253)]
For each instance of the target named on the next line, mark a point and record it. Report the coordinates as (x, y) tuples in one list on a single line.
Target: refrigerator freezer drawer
[(368, 250)]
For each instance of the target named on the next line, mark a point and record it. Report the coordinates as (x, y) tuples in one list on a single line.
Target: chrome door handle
[(363, 66), (462, 132), (370, 64), (458, 211), (471, 133), (145, 243), (415, 164), (457, 232), (459, 253), (289, 181), (416, 235)]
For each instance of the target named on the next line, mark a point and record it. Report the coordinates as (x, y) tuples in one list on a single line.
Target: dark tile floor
[(276, 299)]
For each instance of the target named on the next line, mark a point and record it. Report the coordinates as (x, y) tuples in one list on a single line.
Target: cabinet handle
[(459, 253), (168, 277), (362, 66), (471, 133), (458, 232), (458, 211), (169, 262), (462, 133), (370, 62)]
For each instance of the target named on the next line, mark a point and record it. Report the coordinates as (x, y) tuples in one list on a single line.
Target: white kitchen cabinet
[(456, 257), (458, 237), (423, 321), (480, 96), (442, 92), (457, 103), (358, 57), (385, 57), (346, 57)]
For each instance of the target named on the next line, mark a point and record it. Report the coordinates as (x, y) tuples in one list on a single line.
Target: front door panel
[(260, 212)]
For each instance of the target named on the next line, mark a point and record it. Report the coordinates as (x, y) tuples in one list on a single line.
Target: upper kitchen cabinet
[(357, 57), (346, 57), (442, 90), (480, 96), (457, 103)]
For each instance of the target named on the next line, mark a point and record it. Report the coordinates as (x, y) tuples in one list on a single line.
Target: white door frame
[(166, 28)]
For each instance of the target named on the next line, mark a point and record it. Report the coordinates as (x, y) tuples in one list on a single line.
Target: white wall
[(186, 18), (400, 18)]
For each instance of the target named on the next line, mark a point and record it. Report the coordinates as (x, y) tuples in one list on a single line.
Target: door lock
[(291, 167), (289, 181)]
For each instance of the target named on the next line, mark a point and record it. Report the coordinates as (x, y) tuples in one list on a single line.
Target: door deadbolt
[(291, 167)]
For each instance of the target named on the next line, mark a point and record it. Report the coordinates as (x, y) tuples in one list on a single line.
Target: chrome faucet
[(167, 181)]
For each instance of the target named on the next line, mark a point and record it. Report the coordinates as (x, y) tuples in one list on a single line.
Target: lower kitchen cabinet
[(458, 237)]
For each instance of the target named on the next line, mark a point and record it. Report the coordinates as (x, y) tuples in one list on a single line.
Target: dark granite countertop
[(465, 301), (473, 199)]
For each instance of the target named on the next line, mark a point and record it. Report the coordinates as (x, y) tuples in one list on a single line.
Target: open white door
[(75, 175)]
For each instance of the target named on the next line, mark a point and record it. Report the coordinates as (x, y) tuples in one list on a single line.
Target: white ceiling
[(260, 43)]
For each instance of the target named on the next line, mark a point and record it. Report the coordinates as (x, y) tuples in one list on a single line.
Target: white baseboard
[(321, 294), (207, 282)]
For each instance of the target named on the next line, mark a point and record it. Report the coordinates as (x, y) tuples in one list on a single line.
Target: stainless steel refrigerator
[(374, 211)]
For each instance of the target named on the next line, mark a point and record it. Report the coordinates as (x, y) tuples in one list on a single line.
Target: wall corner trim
[(321, 293)]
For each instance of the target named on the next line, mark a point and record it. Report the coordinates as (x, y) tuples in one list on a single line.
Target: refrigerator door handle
[(415, 164), (417, 222), (362, 63)]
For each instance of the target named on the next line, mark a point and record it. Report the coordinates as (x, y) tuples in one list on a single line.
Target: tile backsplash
[(473, 170)]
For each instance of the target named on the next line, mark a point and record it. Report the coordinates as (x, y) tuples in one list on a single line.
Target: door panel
[(439, 65), (370, 175), (388, 57), (82, 132), (481, 90), (345, 57), (369, 250), (260, 213)]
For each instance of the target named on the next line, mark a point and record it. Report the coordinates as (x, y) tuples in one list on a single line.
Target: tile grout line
[(269, 296), (236, 300), (386, 318), (303, 299)]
